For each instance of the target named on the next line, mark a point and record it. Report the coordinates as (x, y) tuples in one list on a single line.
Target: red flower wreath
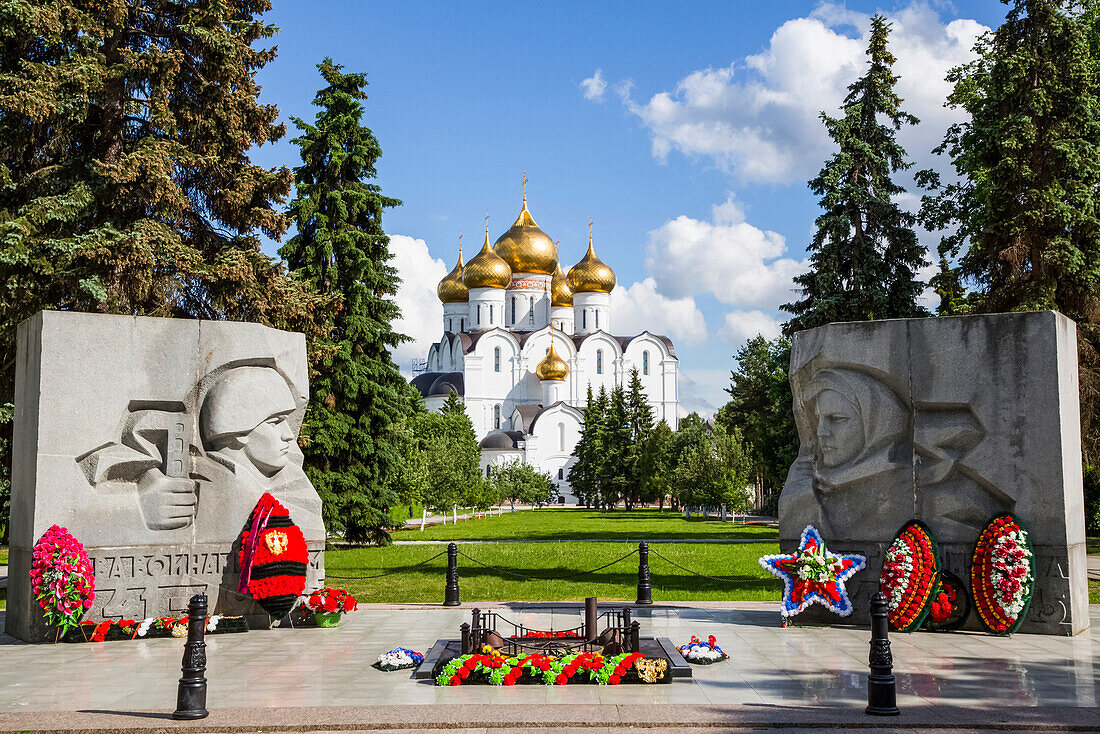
[(910, 576)]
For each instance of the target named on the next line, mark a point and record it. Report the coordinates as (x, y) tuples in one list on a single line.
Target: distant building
[(522, 341)]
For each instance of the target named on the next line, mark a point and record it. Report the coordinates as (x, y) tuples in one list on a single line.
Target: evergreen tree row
[(622, 457)]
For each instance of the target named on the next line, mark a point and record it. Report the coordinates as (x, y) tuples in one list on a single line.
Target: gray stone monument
[(152, 440), (949, 421)]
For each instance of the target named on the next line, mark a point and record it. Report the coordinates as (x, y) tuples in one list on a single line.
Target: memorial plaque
[(151, 440), (949, 421)]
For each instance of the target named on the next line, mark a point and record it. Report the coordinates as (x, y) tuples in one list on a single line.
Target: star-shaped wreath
[(813, 574)]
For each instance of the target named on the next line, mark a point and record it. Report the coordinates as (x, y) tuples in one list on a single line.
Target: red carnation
[(455, 680), (509, 680), (463, 673), (561, 680), (613, 680)]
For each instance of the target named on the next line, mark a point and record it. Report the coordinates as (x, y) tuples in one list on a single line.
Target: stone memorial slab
[(950, 421), (151, 440)]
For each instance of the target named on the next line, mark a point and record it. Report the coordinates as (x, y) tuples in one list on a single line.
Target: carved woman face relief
[(839, 429), (268, 445)]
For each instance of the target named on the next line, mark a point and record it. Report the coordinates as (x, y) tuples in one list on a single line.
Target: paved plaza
[(774, 673)]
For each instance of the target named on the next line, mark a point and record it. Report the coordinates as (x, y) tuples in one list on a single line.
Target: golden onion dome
[(591, 275), (451, 289), (487, 269), (552, 367), (525, 247), (560, 294)]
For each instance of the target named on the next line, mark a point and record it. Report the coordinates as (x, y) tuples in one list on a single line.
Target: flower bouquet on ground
[(328, 604), (62, 579), (131, 629), (703, 653), (399, 658)]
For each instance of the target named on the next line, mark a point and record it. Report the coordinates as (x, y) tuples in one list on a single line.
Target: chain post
[(191, 692), (645, 590), (450, 593), (881, 688)]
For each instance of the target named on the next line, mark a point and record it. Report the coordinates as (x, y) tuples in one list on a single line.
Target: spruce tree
[(640, 423), (614, 471), (340, 249), (582, 473), (865, 254), (125, 179), (1024, 215)]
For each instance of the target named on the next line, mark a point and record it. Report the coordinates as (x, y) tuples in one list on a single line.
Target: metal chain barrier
[(702, 575), (548, 578), (390, 572)]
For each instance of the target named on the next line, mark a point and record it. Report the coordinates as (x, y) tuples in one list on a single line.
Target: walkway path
[(593, 540), (294, 678)]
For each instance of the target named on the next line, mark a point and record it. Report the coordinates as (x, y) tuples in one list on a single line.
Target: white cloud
[(740, 326), (758, 116), (421, 311), (640, 308), (702, 391), (739, 263), (594, 86)]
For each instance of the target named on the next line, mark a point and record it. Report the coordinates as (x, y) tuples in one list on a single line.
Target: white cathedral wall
[(588, 359), (550, 447)]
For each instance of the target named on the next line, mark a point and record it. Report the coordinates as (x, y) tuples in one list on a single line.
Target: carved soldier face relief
[(839, 429), (268, 445)]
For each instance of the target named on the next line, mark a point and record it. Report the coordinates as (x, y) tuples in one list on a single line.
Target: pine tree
[(125, 179), (454, 404), (1024, 217), (865, 253), (654, 480), (341, 249)]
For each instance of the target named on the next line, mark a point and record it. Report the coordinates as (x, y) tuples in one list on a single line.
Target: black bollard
[(645, 591), (635, 636), (191, 694), (590, 633), (882, 695), (465, 627), (450, 594)]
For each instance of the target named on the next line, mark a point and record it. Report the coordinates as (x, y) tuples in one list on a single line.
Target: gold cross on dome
[(486, 222), (524, 185), (460, 243)]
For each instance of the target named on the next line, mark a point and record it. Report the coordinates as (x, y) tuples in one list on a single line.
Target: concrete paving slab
[(297, 678)]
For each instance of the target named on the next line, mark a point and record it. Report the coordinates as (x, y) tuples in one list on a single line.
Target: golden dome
[(486, 269), (525, 247), (451, 289), (591, 275), (552, 367), (560, 295)]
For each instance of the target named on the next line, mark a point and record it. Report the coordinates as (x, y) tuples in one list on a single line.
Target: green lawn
[(3, 555), (425, 584), (582, 524)]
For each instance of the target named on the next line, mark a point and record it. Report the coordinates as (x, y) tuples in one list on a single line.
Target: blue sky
[(687, 132)]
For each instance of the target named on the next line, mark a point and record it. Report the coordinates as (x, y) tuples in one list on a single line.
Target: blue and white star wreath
[(813, 574)]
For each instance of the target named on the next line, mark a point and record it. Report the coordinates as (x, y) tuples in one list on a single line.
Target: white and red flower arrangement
[(62, 578), (813, 574), (328, 601), (703, 653), (1002, 574), (910, 576)]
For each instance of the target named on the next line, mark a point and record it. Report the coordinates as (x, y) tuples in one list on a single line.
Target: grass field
[(559, 523), (3, 556), (540, 560)]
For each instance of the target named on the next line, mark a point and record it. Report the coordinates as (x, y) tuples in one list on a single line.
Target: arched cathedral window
[(645, 363), (496, 417), (496, 359), (599, 361)]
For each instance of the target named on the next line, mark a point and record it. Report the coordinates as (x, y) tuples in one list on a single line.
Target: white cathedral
[(522, 342)]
